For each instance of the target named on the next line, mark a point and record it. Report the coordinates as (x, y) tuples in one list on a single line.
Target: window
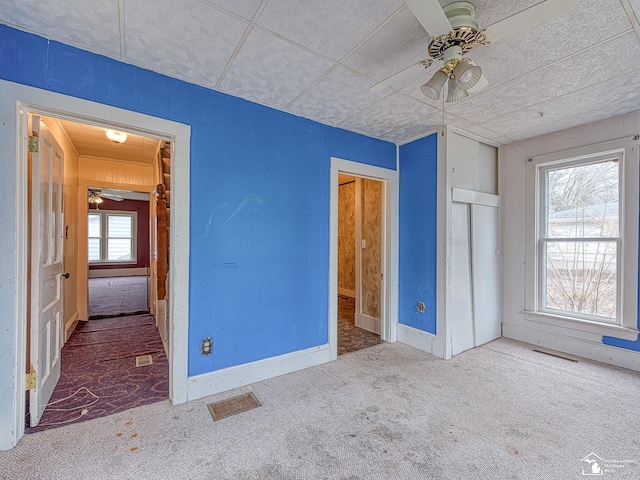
[(580, 237), (582, 261), (112, 237)]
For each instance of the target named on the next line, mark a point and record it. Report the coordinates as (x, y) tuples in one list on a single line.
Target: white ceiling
[(317, 59)]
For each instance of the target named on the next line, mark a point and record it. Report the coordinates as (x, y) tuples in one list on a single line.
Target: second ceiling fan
[(454, 31)]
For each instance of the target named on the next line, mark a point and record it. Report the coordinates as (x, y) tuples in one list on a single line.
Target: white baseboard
[(421, 340), (70, 325), (233, 377), (346, 292), (119, 272), (574, 346)]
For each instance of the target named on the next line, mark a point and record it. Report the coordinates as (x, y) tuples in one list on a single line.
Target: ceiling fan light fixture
[(455, 93), (434, 86), (115, 136), (466, 75)]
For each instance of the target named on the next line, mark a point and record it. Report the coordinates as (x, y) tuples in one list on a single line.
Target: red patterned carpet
[(101, 356)]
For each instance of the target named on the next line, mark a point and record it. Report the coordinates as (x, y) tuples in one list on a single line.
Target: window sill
[(598, 328), (109, 264)]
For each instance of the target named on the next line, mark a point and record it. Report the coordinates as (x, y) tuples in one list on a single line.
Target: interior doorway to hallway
[(108, 233)]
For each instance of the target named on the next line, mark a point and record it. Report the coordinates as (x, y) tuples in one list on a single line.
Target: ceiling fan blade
[(429, 13), (111, 196), (409, 73), (531, 17)]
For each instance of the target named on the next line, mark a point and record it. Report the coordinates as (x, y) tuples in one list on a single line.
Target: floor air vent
[(233, 406), (143, 360), (557, 355)]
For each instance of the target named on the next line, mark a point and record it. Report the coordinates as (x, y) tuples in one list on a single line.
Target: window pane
[(119, 249), (581, 277), (120, 226), (94, 225), (94, 249), (582, 201)]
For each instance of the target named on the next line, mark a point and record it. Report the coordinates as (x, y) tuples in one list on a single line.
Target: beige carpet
[(387, 412)]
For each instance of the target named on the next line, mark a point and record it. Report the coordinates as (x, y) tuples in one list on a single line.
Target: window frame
[(104, 236), (626, 323)]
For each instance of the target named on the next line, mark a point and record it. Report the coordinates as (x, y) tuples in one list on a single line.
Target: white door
[(486, 273), (46, 267)]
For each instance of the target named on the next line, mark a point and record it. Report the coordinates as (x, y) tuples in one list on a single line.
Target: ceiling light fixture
[(115, 136), (462, 75)]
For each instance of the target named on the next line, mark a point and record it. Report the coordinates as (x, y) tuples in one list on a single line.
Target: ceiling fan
[(454, 31), (97, 196)]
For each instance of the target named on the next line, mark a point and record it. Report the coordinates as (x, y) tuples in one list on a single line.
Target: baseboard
[(70, 325), (233, 377), (427, 342), (346, 292), (574, 346), (119, 272)]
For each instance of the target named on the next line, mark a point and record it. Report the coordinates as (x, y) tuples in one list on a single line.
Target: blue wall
[(418, 216), (259, 198)]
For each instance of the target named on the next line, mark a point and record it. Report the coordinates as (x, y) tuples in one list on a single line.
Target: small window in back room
[(112, 237)]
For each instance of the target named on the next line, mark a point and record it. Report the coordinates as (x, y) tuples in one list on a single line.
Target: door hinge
[(31, 380), (34, 144), (382, 276)]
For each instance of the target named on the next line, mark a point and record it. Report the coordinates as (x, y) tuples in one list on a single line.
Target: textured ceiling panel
[(244, 8), (272, 71), (635, 5), (337, 96), (192, 41), (489, 12), (593, 22), (399, 43), (387, 115), (331, 27), (614, 97), (587, 68), (95, 29)]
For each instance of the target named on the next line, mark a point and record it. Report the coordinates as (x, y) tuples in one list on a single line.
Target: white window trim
[(104, 237), (628, 256)]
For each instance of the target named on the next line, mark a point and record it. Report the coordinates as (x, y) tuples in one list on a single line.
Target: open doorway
[(366, 295), (360, 253), (105, 353)]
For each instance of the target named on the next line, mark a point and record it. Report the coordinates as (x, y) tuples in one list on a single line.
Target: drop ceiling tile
[(613, 97), (272, 71), (95, 29), (335, 97), (387, 115), (400, 43), (414, 130), (330, 27), (593, 66), (244, 8), (594, 21), (635, 6), (191, 41)]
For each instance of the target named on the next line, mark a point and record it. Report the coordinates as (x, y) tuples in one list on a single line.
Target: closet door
[(486, 273), (461, 307)]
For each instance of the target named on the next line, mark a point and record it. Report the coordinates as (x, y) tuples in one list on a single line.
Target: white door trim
[(15, 101), (389, 309)]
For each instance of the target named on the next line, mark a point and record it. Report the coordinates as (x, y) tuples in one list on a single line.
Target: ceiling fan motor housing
[(465, 34)]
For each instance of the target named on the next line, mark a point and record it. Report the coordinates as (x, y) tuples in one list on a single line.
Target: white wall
[(513, 164)]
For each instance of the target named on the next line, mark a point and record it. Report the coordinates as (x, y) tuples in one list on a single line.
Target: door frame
[(389, 301), (27, 100)]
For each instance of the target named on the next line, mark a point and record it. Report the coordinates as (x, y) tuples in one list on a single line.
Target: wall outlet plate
[(206, 347)]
